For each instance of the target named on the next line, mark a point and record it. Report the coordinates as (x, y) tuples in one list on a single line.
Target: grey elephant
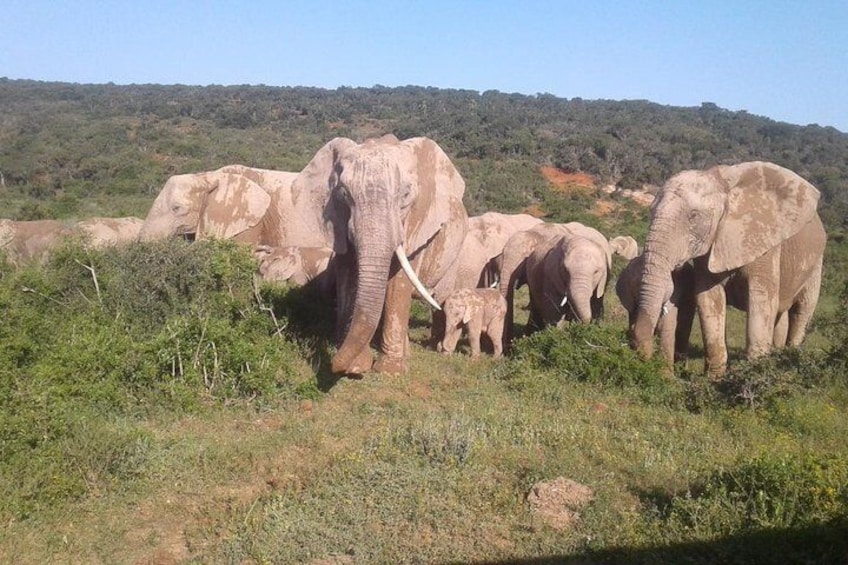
[(625, 246), (567, 277), (392, 212), (249, 205), (674, 326), (754, 224), (297, 265), (101, 232), (477, 267), (25, 241), (487, 235), (480, 311), (512, 262)]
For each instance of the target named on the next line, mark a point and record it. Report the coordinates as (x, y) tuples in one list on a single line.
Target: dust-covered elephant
[(297, 265), (253, 206), (480, 311), (105, 232), (487, 235), (394, 217), (625, 246), (754, 223), (568, 276), (24, 241), (512, 264), (678, 313)]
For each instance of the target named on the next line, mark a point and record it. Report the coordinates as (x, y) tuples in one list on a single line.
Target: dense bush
[(96, 335), (591, 353)]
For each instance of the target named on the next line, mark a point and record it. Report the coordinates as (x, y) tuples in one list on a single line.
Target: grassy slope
[(433, 466)]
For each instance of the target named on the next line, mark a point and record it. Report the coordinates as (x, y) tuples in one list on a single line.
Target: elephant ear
[(312, 191), (439, 192), (234, 205), (766, 204)]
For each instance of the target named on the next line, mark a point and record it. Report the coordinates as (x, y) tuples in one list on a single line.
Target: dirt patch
[(603, 208), (563, 181), (558, 502)]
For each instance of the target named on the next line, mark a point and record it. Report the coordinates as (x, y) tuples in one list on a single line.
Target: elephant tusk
[(564, 301), (495, 283), (416, 282), (665, 309)]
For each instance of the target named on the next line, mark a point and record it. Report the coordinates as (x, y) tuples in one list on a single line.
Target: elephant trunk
[(579, 299), (157, 224), (655, 287)]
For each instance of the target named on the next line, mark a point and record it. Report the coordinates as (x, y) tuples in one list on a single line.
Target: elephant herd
[(377, 223)]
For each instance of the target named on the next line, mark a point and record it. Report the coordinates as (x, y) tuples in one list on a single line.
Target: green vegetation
[(159, 405)]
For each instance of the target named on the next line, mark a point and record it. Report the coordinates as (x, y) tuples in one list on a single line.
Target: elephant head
[(568, 276), (230, 202), (728, 215), (298, 265), (386, 199), (625, 246)]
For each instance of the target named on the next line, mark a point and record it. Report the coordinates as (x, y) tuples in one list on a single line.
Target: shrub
[(586, 353)]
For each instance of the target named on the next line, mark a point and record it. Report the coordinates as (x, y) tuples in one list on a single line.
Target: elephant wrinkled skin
[(754, 225)]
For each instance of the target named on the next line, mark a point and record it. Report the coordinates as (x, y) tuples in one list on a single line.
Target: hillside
[(75, 150)]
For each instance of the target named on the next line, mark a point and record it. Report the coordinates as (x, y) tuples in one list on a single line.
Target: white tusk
[(564, 301), (416, 282), (665, 309), (495, 283)]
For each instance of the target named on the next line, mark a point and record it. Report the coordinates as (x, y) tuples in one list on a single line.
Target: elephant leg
[(438, 327), (712, 312), (667, 329), (452, 333), (802, 311), (762, 304), (475, 328), (395, 337), (685, 319), (781, 329), (509, 318), (495, 333)]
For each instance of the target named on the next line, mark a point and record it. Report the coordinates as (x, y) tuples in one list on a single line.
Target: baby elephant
[(481, 310)]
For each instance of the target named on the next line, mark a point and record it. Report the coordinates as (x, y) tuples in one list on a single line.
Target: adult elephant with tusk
[(395, 220), (752, 226)]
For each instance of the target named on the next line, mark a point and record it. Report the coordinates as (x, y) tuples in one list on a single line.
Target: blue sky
[(785, 59)]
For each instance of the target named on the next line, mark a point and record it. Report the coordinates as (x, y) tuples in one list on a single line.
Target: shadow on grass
[(825, 543)]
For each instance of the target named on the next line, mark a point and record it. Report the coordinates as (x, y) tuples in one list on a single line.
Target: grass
[(430, 467)]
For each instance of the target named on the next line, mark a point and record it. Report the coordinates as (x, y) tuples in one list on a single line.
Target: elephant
[(375, 201), (252, 206), (25, 241), (678, 313), (104, 232), (512, 263), (298, 265), (752, 227), (567, 276), (480, 310), (484, 242), (625, 246), (487, 235)]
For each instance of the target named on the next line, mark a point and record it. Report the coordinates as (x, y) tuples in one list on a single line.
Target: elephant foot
[(391, 365), (715, 371), (360, 364)]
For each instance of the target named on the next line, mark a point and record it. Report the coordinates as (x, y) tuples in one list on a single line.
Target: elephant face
[(294, 264), (223, 204), (729, 214), (575, 271), (389, 196)]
